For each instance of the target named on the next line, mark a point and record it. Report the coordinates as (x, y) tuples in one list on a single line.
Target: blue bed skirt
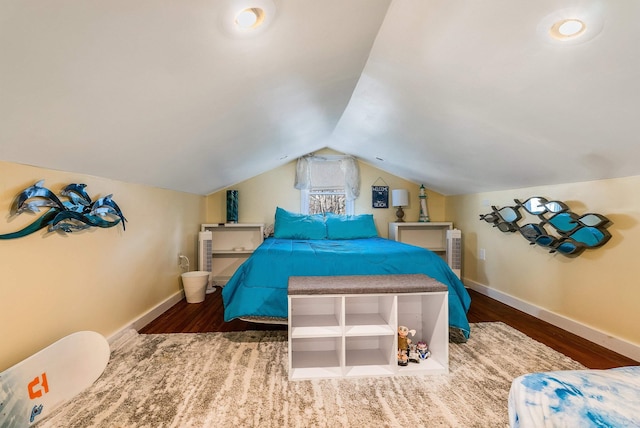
[(259, 286)]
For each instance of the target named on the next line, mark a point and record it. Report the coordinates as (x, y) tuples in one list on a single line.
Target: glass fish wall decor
[(558, 229)]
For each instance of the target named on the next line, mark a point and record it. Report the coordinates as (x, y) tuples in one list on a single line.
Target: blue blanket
[(576, 398), (259, 286)]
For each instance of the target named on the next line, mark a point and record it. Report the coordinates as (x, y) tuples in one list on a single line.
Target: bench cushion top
[(364, 284)]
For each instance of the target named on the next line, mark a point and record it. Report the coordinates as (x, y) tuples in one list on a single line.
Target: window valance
[(329, 172)]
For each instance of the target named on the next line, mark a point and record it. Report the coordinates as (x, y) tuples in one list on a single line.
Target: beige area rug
[(240, 380)]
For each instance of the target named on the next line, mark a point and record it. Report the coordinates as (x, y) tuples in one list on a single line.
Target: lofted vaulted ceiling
[(463, 96)]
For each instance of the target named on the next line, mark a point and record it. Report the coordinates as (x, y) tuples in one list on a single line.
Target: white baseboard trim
[(615, 344), (148, 316)]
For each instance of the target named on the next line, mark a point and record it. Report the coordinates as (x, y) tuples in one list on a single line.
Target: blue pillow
[(290, 225), (350, 226)]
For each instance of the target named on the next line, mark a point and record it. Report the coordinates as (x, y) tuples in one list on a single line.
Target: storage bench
[(346, 326)]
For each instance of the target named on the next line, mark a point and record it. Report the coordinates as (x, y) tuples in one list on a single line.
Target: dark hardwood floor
[(207, 316), (202, 317)]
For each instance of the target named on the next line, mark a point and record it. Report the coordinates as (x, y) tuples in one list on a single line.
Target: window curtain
[(329, 172)]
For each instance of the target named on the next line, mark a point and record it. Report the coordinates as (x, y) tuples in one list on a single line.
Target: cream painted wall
[(258, 197), (102, 279), (599, 288)]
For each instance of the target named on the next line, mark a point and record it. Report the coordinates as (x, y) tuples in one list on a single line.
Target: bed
[(576, 398), (343, 245)]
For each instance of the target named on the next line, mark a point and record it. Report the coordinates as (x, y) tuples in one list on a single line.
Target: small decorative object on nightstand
[(399, 199), (424, 214), (232, 206)]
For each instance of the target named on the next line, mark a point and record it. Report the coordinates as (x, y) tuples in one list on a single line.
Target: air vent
[(205, 240), (454, 251)]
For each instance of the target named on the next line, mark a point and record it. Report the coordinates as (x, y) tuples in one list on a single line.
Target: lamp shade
[(400, 197)]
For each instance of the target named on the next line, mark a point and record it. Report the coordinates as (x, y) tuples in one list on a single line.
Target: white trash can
[(195, 285)]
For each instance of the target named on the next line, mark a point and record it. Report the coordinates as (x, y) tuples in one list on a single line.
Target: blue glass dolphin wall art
[(76, 213), (571, 235)]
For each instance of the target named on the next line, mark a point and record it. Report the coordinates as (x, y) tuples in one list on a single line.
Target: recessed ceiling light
[(242, 19), (567, 29), (572, 26), (250, 18)]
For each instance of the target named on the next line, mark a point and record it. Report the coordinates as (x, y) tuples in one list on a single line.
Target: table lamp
[(399, 199)]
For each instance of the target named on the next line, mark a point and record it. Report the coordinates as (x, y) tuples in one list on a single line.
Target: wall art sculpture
[(558, 229), (78, 212)]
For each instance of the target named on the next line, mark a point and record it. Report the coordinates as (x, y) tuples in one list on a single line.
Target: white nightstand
[(231, 245), (432, 236)]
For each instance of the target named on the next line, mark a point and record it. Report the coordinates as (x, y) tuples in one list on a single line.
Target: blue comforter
[(259, 287)]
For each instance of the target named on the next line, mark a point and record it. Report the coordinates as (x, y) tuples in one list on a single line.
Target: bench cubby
[(346, 326)]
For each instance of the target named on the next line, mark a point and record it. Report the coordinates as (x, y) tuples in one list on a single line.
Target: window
[(323, 201), (327, 184)]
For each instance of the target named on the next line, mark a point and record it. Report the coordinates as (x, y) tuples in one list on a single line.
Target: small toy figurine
[(403, 360), (423, 350), (413, 354), (403, 344), (403, 337)]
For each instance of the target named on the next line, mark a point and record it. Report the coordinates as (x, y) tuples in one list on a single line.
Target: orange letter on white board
[(38, 393)]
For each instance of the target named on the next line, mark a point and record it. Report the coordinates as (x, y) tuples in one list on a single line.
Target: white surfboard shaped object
[(37, 385)]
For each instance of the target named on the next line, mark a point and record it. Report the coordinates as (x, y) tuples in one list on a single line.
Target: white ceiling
[(463, 96)]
